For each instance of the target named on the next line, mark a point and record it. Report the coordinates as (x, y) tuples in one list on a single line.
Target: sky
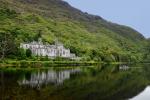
[(133, 13)]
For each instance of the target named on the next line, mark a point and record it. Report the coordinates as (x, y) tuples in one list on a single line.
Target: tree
[(28, 53), (7, 44), (147, 51), (21, 53), (37, 36)]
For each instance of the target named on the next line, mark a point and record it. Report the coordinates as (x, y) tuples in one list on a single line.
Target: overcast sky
[(133, 13)]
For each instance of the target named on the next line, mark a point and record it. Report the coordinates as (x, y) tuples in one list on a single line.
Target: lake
[(103, 82)]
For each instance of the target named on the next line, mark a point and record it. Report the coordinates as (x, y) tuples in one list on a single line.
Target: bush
[(28, 53), (21, 54)]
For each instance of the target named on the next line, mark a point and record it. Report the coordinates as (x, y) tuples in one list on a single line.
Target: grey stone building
[(52, 51)]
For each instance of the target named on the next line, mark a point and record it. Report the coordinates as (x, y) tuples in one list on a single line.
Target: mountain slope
[(89, 36)]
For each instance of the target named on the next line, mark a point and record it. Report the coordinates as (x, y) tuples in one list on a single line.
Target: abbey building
[(52, 51)]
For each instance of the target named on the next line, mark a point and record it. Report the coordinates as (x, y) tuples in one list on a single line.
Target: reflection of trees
[(51, 76), (2, 84), (105, 83)]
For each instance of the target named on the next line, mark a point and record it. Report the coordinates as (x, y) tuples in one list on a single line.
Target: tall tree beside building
[(7, 44), (28, 53)]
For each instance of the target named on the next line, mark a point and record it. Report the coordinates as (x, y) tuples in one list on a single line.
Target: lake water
[(144, 95), (103, 82)]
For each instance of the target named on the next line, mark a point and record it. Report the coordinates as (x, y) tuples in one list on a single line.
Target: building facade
[(52, 51)]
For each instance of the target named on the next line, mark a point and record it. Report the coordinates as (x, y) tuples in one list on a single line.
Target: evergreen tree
[(28, 53)]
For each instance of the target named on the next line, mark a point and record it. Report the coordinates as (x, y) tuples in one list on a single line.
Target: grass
[(37, 64)]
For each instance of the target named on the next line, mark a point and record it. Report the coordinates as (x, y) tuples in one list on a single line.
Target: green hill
[(89, 36)]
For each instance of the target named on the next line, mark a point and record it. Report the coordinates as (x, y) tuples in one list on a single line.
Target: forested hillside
[(90, 37)]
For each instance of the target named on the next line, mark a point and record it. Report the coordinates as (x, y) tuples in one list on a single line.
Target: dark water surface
[(103, 82)]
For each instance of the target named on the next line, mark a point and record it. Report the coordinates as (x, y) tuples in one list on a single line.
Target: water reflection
[(145, 95), (124, 67), (104, 82), (45, 77)]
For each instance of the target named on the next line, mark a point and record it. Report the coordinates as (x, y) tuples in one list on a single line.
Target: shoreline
[(39, 64)]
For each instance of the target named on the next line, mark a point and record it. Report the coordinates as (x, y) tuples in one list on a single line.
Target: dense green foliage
[(7, 44), (147, 51), (89, 36)]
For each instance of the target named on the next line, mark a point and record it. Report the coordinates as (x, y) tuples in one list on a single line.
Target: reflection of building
[(57, 50), (51, 76), (123, 67)]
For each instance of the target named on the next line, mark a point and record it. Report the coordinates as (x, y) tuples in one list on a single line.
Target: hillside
[(89, 36)]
